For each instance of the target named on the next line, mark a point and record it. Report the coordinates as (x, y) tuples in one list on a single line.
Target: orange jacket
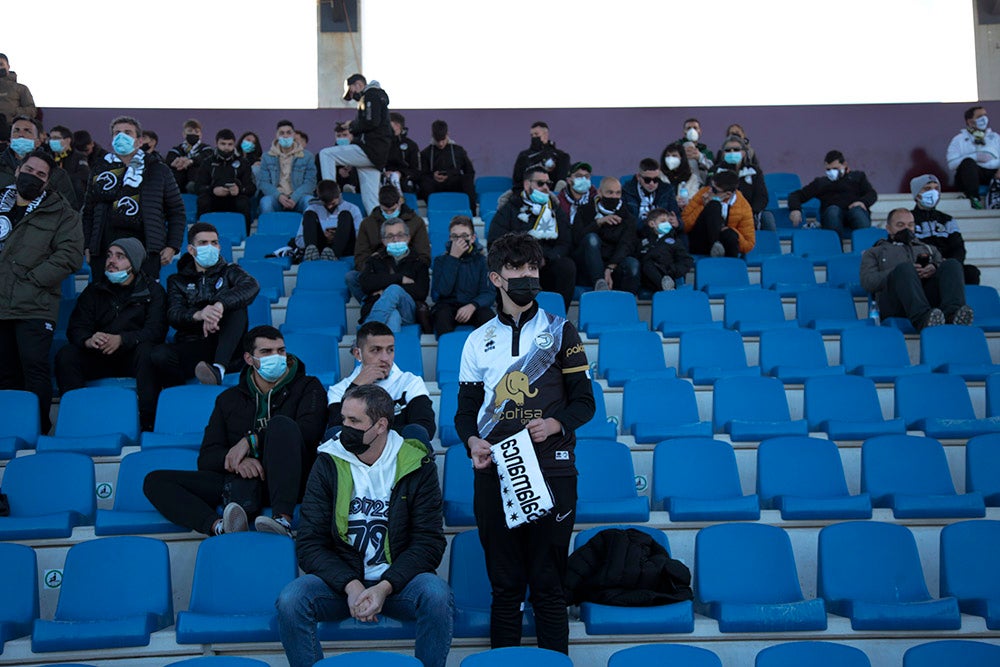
[(740, 218)]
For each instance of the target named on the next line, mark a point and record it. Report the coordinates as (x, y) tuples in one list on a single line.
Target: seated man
[(375, 353), (25, 138), (185, 158), (461, 286), (259, 446), (908, 278), (347, 177), (395, 279), (578, 191), (71, 161), (648, 190), (663, 258), (207, 303), (936, 227), (974, 154), (718, 219), (845, 197), (329, 226), (370, 537), (287, 175), (402, 167), (542, 152), (535, 211), (224, 181), (446, 167), (604, 239), (116, 322), (695, 152)]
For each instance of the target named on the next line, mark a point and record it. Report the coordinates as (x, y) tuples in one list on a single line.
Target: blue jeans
[(395, 308), (270, 204), (308, 600), (353, 282), (843, 221)]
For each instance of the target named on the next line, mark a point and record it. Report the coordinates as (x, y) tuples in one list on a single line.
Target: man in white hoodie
[(370, 538)]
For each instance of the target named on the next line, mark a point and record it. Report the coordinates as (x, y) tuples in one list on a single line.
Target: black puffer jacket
[(617, 241), (371, 129), (216, 170), (136, 312), (189, 290)]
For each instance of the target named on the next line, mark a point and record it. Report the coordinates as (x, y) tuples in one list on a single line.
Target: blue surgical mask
[(286, 142), (56, 145), (206, 256), (581, 184), (664, 228), (247, 146), (539, 197), (833, 174), (123, 144), (117, 277), (343, 141), (22, 146), (390, 216), (397, 248), (982, 122), (732, 158), (929, 198), (272, 367)]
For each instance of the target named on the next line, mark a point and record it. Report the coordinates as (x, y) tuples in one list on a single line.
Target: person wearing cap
[(578, 191), (446, 167), (937, 228), (372, 138), (648, 190), (116, 322), (15, 98), (543, 152), (974, 155)]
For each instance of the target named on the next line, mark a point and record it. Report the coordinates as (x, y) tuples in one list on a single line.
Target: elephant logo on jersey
[(514, 386), (107, 180), (127, 206)]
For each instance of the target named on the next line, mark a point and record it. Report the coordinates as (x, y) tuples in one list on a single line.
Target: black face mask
[(3, 73), (904, 235), (29, 186), (536, 143), (523, 291), (226, 154), (353, 440), (610, 203), (145, 148), (356, 97), (192, 139)]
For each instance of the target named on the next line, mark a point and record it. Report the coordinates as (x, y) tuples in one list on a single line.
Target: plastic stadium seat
[(677, 311), (184, 407), (804, 479), (449, 356), (457, 488), (599, 427), (953, 652), (847, 407), (745, 578), (259, 312), (115, 592), (355, 198), (985, 301), (844, 272), (910, 474), (866, 237), (816, 245), (982, 467), (489, 201), (625, 355), (493, 183), (705, 356), (523, 656), (795, 355), (19, 602), (664, 654), (190, 207), (321, 276), (939, 405), (870, 572), (20, 426), (447, 406), (49, 494), (767, 244), (218, 661), (753, 408), (780, 184), (449, 201), (269, 275), (814, 654), (878, 353), (606, 484), (78, 431), (319, 352), (993, 395), (224, 608), (754, 311), (601, 312), (471, 587), (968, 568), (369, 659), (279, 223), (828, 310), (259, 246), (132, 512), (438, 222), (696, 479), (552, 302), (787, 275), (316, 312), (654, 410), (956, 349), (409, 357), (782, 221), (717, 276), (231, 226)]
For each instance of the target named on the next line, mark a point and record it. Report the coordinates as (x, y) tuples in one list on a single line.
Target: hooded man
[(937, 227)]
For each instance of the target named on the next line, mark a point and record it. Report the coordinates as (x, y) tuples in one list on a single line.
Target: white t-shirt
[(402, 387)]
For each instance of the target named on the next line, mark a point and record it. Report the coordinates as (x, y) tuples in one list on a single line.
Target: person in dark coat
[(446, 167), (185, 158), (648, 190), (663, 258), (402, 166), (73, 162), (604, 238), (395, 280), (543, 153), (845, 197), (25, 138), (461, 288), (224, 181)]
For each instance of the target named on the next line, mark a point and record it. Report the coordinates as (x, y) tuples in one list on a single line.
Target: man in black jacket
[(647, 190), (133, 194), (402, 167), (260, 444), (224, 181), (395, 280), (185, 158), (73, 162), (25, 137), (372, 137), (845, 197), (543, 153), (370, 537), (604, 241), (116, 322), (446, 167), (207, 303)]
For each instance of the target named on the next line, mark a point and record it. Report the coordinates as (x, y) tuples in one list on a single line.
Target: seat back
[(449, 355), (222, 573), (952, 652), (493, 183), (780, 184), (695, 468), (279, 223), (844, 271), (984, 300), (259, 311), (119, 413), (598, 427), (982, 466), (866, 237), (968, 560), (605, 471), (449, 201), (720, 348), (664, 654), (51, 482), (312, 311), (953, 344), (680, 307), (752, 306), (369, 659), (259, 246), (190, 207), (551, 302), (467, 572), (19, 602), (185, 408), (873, 346), (610, 307), (842, 397), (409, 356), (523, 656), (218, 661), (904, 464), (20, 415), (799, 466), (760, 399), (745, 563), (993, 395), (802, 348), (715, 272), (585, 536), (232, 226), (639, 350), (458, 480), (767, 244), (932, 395), (786, 270), (322, 276), (319, 352), (270, 276), (815, 243), (439, 222), (824, 303), (134, 467), (814, 654), (669, 400)]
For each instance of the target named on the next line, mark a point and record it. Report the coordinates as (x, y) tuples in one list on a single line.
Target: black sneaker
[(207, 373), (935, 318), (964, 315), (328, 255), (311, 253)]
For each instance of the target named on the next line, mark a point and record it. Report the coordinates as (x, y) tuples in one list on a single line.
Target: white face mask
[(982, 122), (692, 134), (672, 162), (833, 174), (929, 198)]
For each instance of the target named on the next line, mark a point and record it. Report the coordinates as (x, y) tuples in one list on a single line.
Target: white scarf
[(136, 167), (523, 493), (544, 227)]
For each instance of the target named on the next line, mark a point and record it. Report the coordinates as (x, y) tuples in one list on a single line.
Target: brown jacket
[(740, 218)]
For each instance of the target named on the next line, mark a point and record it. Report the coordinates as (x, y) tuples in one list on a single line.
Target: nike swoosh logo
[(560, 517)]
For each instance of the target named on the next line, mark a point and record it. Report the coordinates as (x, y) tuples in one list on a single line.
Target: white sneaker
[(717, 250), (311, 253), (601, 285), (667, 283), (265, 524), (234, 519)]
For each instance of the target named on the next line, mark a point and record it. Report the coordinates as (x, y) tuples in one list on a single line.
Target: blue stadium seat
[(449, 201), (410, 199), (319, 352), (190, 207), (489, 202), (316, 312), (115, 592), (866, 237), (767, 245), (457, 488), (717, 276), (677, 311), (844, 272), (753, 408), (323, 277), (523, 656), (985, 302), (279, 223), (470, 585), (847, 407), (449, 356), (438, 221), (218, 661), (968, 569), (225, 607), (870, 572), (132, 513), (625, 355), (606, 484), (601, 312), (603, 619), (493, 183), (232, 226), (369, 659), (787, 274), (878, 353), (993, 395), (814, 654), (552, 302), (269, 275), (20, 426), (664, 654), (795, 355), (982, 467), (804, 479), (782, 221), (754, 311), (939, 405), (780, 184), (259, 246), (745, 578), (19, 602), (816, 245), (956, 349), (355, 198), (828, 310), (708, 355), (447, 406), (184, 407), (599, 427), (259, 311), (49, 494), (408, 353), (909, 474), (696, 479), (78, 431), (962, 652), (654, 410)]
